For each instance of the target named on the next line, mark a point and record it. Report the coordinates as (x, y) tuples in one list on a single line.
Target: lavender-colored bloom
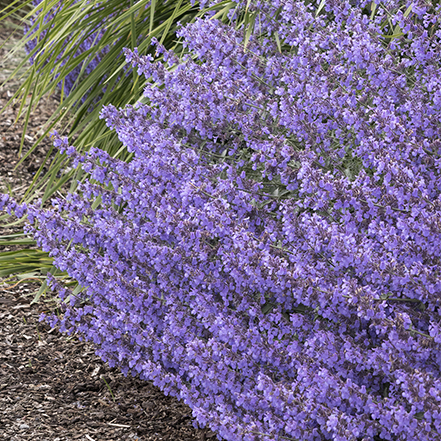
[(271, 253)]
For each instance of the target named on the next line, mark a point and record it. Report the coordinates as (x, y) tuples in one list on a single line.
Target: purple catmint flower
[(270, 254)]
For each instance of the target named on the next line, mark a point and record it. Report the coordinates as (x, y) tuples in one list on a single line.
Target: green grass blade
[(152, 15), (44, 287), (320, 7), (249, 22), (169, 22)]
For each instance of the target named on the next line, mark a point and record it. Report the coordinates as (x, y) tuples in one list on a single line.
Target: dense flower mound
[(271, 254)]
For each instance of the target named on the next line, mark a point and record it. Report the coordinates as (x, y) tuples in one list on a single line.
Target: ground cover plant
[(270, 255)]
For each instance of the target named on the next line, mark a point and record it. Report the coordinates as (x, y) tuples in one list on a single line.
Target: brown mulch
[(53, 387)]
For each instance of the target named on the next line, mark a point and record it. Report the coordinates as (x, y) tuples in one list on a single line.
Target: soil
[(54, 387)]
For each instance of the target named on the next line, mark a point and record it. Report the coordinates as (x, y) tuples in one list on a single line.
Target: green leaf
[(222, 13), (23, 261), (44, 287), (276, 36), (152, 15), (76, 291), (419, 415), (18, 9), (320, 7), (249, 21), (17, 242), (408, 11), (373, 9), (267, 308), (175, 13)]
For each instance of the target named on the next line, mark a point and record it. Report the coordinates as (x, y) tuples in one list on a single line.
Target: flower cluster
[(271, 254)]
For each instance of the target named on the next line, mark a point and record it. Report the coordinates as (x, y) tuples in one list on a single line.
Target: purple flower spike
[(271, 253)]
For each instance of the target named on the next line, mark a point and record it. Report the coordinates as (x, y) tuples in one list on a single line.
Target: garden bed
[(53, 387)]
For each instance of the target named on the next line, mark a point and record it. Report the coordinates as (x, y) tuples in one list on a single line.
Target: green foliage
[(16, 9), (75, 21)]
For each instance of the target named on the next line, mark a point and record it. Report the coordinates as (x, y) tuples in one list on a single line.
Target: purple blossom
[(270, 255)]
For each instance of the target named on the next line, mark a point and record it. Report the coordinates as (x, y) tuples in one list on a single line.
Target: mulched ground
[(54, 387)]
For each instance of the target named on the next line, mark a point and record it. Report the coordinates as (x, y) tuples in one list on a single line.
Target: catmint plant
[(270, 255)]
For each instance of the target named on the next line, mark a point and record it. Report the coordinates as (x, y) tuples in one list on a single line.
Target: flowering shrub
[(270, 255)]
